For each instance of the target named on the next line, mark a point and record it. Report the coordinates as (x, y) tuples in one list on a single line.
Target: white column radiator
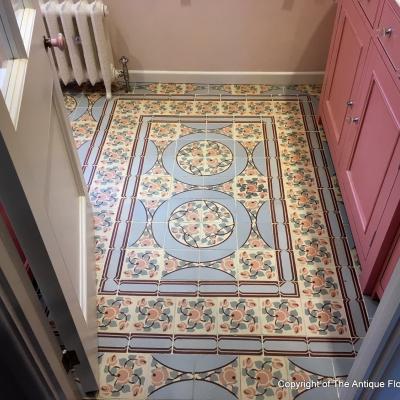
[(87, 56)]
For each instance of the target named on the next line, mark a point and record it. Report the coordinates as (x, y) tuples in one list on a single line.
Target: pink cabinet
[(372, 161), (364, 134), (349, 50), (389, 33), (370, 8)]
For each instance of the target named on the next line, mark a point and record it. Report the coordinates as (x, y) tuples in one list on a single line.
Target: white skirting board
[(226, 77)]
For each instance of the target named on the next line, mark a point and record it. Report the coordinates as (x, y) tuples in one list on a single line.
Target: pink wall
[(222, 35)]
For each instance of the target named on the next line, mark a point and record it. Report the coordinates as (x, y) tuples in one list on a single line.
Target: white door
[(39, 141)]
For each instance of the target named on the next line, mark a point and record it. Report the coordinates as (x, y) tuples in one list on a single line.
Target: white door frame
[(381, 344), (26, 328), (17, 207)]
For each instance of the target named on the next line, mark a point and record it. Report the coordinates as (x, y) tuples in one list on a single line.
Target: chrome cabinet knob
[(350, 103), (387, 32), (58, 42), (353, 120)]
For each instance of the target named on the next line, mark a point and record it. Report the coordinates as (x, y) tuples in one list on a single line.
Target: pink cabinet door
[(372, 161), (370, 8), (347, 55)]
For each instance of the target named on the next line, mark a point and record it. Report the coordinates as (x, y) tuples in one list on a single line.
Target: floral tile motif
[(282, 317), (201, 223), (289, 121), (142, 263), (260, 377), (114, 313), (188, 213), (124, 376), (227, 376), (308, 223), (125, 109), (260, 108), (295, 157), (154, 107), (249, 131), (193, 165), (214, 148), (181, 107), (257, 264), (155, 187), (171, 88), (287, 107), (154, 315), (299, 176), (197, 315), (122, 137), (252, 187), (207, 107), (195, 150), (325, 318), (313, 251), (83, 129), (319, 282), (204, 158), (238, 316), (109, 174), (163, 131), (115, 156), (103, 221), (103, 198), (204, 235), (233, 107), (303, 199), (216, 165), (312, 89), (102, 243)]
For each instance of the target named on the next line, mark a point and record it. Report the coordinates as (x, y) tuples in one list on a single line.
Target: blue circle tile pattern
[(172, 157), (240, 226)]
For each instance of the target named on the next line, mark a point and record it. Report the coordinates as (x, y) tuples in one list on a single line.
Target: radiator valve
[(124, 73)]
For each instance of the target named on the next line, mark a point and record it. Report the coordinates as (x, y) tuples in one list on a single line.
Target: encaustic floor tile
[(217, 231)]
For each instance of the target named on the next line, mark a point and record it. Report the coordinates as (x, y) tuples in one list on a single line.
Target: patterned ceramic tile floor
[(225, 263)]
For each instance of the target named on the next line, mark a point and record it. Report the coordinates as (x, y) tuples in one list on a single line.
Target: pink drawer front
[(370, 8), (389, 34)]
